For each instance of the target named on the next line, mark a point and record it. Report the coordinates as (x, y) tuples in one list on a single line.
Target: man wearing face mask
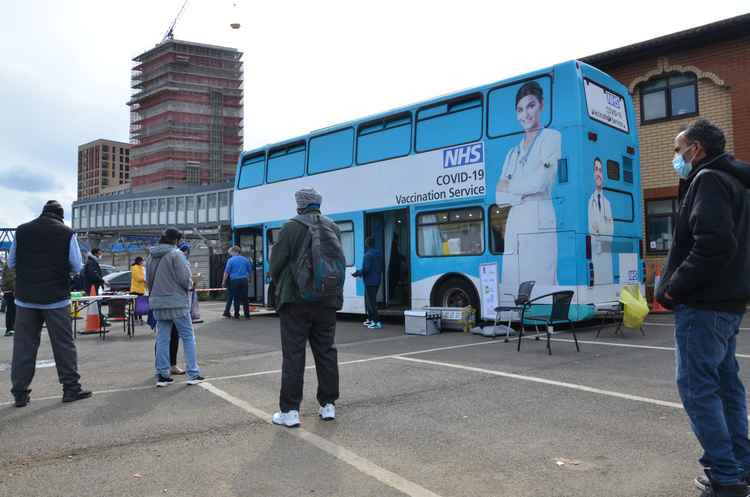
[(707, 283)]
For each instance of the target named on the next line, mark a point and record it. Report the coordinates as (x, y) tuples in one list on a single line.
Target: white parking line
[(545, 381), (629, 345), (671, 325), (342, 454)]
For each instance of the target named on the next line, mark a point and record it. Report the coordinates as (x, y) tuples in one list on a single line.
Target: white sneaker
[(327, 412), (290, 419), (367, 322)]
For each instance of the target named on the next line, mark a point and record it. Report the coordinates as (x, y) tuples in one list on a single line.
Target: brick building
[(102, 164), (185, 115), (702, 72)]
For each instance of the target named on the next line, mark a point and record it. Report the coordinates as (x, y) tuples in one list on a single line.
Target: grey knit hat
[(307, 197)]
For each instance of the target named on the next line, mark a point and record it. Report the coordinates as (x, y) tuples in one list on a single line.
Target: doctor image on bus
[(601, 228), (525, 184)]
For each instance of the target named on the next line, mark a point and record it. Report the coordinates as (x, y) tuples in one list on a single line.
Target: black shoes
[(227, 315), (163, 381), (23, 399), (73, 395), (713, 489)]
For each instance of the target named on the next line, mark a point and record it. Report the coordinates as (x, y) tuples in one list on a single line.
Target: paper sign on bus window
[(606, 106)]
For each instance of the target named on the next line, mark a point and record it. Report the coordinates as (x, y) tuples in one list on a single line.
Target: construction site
[(185, 115)]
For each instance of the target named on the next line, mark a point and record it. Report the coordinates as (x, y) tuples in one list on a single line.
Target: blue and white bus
[(533, 178)]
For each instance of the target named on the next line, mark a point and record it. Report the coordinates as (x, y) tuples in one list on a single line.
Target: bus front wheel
[(455, 292)]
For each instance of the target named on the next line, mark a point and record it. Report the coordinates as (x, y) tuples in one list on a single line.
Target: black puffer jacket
[(708, 266)]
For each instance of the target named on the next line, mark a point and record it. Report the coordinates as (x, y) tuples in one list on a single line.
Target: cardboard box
[(455, 318)]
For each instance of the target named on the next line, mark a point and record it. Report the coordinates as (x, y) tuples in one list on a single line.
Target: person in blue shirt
[(237, 272), (44, 254), (372, 274)]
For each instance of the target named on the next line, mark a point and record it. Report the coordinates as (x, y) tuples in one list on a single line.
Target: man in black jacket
[(707, 283), (92, 271), (44, 254)]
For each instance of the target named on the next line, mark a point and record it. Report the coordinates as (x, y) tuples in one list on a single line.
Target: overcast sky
[(65, 66)]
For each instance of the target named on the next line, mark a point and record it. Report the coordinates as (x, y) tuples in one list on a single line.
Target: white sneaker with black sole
[(327, 412), (163, 381), (196, 380), (290, 419)]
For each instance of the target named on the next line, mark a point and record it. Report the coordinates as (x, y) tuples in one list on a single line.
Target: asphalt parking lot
[(447, 415)]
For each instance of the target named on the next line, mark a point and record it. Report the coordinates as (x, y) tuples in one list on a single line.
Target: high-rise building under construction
[(185, 115)]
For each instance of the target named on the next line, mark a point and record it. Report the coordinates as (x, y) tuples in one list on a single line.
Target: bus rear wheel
[(456, 292)]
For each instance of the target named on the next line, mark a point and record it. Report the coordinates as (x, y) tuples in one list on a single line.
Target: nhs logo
[(464, 155)]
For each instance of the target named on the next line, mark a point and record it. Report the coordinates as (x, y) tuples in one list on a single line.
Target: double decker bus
[(466, 196)]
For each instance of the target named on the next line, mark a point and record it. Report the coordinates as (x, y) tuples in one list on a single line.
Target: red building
[(185, 115)]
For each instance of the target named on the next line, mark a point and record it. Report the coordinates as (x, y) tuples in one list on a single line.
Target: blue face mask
[(681, 167)]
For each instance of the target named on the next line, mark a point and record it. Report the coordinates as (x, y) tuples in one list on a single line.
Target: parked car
[(107, 269), (118, 281)]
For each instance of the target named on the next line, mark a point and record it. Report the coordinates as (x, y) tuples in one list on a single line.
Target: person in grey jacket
[(169, 280)]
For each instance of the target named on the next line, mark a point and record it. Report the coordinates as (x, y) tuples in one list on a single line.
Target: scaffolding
[(186, 97)]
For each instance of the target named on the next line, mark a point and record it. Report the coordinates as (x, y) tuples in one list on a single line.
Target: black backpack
[(320, 268)]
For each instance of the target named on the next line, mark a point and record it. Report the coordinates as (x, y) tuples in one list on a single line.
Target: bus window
[(450, 123), (273, 237), (498, 219), (627, 169), (331, 151), (613, 170), (286, 162), (347, 240), (251, 172), (622, 205), (384, 139), (606, 106), (503, 103), (450, 233)]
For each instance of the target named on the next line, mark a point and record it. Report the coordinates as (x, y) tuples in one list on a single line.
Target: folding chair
[(559, 313), (524, 294)]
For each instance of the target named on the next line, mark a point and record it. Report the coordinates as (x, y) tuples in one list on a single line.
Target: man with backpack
[(307, 268)]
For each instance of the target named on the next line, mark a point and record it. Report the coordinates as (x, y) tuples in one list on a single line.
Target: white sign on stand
[(488, 281)]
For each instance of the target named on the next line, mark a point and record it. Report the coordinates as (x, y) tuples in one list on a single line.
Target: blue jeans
[(711, 390), (184, 327)]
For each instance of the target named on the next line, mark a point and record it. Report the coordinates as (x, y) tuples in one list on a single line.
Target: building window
[(450, 233), (660, 219), (671, 97)]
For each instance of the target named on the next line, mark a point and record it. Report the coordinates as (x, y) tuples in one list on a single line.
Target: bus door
[(390, 231), (250, 241)]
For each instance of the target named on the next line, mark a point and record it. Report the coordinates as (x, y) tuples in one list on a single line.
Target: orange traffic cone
[(656, 307), (93, 325)]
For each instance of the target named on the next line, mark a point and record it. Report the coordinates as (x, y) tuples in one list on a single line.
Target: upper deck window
[(516, 107), (384, 138), (252, 171), (331, 151), (606, 106), (671, 97), (452, 122), (286, 162)]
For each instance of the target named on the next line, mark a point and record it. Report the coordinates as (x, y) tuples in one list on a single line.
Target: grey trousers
[(26, 344)]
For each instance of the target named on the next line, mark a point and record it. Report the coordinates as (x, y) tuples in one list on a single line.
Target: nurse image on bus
[(601, 228), (525, 183)]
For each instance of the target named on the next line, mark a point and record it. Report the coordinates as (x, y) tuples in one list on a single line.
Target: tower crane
[(170, 31)]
